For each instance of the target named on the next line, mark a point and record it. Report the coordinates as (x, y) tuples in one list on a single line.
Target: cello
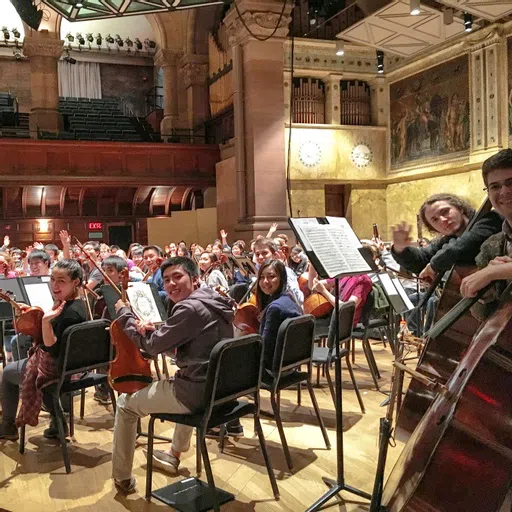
[(459, 458), (129, 371)]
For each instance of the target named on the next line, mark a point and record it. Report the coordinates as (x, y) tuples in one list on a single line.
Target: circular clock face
[(310, 153), (361, 155)]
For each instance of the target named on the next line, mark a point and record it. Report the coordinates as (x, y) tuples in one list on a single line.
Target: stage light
[(138, 43), (340, 48), (16, 33), (128, 42), (109, 39), (119, 41), (69, 59), (80, 39), (380, 61), (28, 13), (149, 44), (468, 22), (7, 36), (89, 38), (99, 39), (79, 5), (70, 37), (415, 7)]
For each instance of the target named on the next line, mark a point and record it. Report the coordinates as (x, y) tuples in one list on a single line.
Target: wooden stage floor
[(37, 481)]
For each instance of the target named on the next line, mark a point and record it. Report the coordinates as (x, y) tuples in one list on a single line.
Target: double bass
[(459, 458)]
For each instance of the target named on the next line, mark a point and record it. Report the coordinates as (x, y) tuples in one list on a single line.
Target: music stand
[(334, 251)]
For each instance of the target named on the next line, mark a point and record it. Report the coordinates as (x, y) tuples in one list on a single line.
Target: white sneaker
[(164, 460)]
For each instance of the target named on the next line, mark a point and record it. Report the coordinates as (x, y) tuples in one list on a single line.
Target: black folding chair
[(294, 348), (324, 356), (86, 347), (234, 371)]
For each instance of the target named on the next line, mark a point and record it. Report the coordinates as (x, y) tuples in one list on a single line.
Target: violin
[(28, 321), (150, 273), (129, 371)]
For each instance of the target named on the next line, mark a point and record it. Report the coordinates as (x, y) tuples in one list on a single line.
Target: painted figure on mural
[(430, 113)]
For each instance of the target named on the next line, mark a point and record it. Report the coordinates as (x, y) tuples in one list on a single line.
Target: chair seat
[(220, 415), (372, 324), (320, 354), (88, 380), (286, 381)]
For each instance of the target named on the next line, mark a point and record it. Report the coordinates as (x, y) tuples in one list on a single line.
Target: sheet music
[(39, 294), (407, 301)]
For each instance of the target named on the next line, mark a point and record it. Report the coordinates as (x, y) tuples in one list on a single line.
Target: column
[(332, 99), (44, 54), (168, 61), (259, 115), (195, 75)]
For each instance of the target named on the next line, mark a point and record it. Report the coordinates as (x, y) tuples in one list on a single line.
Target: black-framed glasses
[(496, 187)]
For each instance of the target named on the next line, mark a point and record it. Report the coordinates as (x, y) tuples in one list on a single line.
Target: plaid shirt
[(41, 371)]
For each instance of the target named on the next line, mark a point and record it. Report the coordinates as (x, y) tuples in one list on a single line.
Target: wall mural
[(430, 113)]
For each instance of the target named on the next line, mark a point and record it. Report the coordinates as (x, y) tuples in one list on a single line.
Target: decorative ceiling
[(393, 29), (488, 9), (79, 10)]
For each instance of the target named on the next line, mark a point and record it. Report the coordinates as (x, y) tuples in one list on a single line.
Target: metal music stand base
[(338, 485)]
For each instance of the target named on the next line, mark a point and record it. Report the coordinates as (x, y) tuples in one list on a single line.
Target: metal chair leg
[(298, 395), (277, 415), (208, 470), (222, 437), (82, 404), (62, 434), (149, 470), (371, 359), (318, 416), (354, 383), (330, 383), (318, 375), (372, 370), (71, 415), (268, 464), (22, 439), (199, 468)]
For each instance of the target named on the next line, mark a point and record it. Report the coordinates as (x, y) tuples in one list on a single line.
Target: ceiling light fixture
[(380, 61), (340, 48), (468, 22), (415, 7)]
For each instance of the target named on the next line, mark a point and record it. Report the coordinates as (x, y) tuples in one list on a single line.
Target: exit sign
[(95, 226)]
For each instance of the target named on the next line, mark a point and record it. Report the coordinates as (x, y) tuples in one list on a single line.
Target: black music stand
[(312, 243)]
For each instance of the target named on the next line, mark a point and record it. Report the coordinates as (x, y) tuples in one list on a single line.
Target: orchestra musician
[(153, 256), (495, 257), (199, 320), (40, 367), (447, 215), (214, 276)]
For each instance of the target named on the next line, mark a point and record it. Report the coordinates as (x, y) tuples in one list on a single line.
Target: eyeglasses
[(496, 187)]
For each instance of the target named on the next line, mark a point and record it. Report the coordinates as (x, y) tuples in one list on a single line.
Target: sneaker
[(231, 430), (9, 432), (127, 486), (52, 432), (102, 397), (164, 460)]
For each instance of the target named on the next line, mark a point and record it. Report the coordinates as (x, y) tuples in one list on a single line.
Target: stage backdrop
[(430, 114)]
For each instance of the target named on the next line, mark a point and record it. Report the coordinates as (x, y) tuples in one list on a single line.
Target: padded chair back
[(294, 344), (234, 370), (346, 314), (85, 346)]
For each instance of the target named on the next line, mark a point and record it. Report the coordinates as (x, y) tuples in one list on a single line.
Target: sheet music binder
[(332, 246)]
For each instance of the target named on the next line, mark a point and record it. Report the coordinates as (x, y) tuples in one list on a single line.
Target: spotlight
[(89, 38), (109, 39), (28, 13), (70, 37), (138, 44), (448, 16), (340, 48), (79, 5), (17, 54), (7, 36), (16, 33), (380, 61), (468, 22), (128, 42), (80, 39), (415, 7), (119, 41), (69, 59), (99, 39)]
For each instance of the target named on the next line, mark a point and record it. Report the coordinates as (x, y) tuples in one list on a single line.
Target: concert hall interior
[(258, 245)]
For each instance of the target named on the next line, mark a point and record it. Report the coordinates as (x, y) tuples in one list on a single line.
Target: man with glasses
[(495, 258)]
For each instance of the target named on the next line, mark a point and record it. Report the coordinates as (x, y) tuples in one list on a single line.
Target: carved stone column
[(44, 54), (332, 99), (195, 75), (259, 114), (168, 61)]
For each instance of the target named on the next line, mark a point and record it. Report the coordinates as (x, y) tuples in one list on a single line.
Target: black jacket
[(444, 252)]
